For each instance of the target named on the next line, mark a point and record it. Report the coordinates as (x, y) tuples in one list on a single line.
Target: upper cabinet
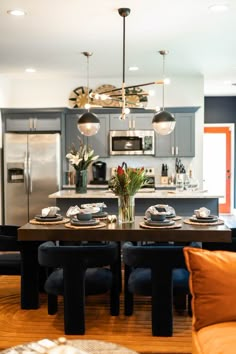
[(32, 121), (181, 142), (98, 142), (138, 121)]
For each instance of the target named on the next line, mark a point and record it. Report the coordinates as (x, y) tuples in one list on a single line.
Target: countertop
[(105, 194)]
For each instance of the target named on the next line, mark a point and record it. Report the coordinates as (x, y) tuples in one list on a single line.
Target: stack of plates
[(91, 222), (100, 214), (204, 219), (165, 222), (54, 218)]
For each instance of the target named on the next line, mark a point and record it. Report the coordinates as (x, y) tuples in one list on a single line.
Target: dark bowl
[(158, 217), (84, 216)]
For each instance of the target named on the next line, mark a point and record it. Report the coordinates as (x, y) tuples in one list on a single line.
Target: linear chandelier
[(163, 122)]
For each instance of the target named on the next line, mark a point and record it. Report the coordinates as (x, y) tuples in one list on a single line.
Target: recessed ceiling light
[(30, 70), (133, 68), (219, 7), (16, 12)]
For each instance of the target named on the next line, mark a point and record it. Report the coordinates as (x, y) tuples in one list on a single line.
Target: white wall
[(36, 92)]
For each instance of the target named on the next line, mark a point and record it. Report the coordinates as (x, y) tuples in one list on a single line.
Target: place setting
[(203, 217), (160, 216), (100, 214), (85, 217), (49, 216)]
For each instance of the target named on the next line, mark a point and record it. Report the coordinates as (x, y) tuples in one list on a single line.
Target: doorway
[(218, 163)]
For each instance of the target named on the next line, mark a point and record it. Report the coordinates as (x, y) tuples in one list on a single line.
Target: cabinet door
[(165, 145), (33, 122), (185, 135), (181, 142), (142, 121), (99, 142), (72, 134), (117, 124), (47, 123)]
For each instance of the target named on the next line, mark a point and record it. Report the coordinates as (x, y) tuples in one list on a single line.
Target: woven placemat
[(175, 226), (35, 222), (218, 222), (176, 218), (101, 224)]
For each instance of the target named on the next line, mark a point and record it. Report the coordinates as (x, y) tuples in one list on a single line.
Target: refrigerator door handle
[(25, 174), (29, 175)]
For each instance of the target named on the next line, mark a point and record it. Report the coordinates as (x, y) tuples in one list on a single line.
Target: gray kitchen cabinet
[(138, 121), (98, 142), (181, 142), (33, 122)]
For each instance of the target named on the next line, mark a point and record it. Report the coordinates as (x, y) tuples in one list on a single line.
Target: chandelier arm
[(159, 82)]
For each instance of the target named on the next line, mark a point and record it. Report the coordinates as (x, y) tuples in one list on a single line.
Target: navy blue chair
[(10, 258), (158, 271), (78, 271)]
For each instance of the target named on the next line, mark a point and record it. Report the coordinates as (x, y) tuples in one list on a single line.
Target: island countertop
[(106, 194)]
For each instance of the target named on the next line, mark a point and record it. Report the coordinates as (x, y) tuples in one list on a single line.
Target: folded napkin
[(74, 210), (159, 209), (50, 211), (202, 212)]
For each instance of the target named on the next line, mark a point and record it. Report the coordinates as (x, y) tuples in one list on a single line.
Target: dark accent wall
[(222, 110)]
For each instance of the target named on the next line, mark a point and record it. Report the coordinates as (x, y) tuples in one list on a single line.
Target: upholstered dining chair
[(10, 258), (80, 270), (147, 268)]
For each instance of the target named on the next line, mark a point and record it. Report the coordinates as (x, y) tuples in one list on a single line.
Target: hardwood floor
[(21, 326)]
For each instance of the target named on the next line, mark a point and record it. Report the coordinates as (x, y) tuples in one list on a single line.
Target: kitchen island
[(184, 202)]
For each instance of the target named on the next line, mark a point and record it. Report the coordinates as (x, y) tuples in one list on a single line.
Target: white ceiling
[(53, 34)]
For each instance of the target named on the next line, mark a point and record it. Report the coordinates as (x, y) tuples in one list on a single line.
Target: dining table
[(32, 234)]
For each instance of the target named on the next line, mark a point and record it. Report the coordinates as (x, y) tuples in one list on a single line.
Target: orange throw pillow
[(212, 284)]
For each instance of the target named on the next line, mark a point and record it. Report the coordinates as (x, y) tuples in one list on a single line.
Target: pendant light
[(163, 121), (123, 12), (88, 123)]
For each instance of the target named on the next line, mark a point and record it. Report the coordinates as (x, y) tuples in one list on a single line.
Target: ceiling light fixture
[(220, 7), (30, 70), (88, 123), (16, 12), (124, 94), (163, 121), (133, 68)]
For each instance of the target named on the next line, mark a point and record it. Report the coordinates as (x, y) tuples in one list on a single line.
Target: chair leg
[(180, 302), (52, 304), (128, 296), (115, 290)]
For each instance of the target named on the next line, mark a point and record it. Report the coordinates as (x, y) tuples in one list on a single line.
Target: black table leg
[(162, 298)]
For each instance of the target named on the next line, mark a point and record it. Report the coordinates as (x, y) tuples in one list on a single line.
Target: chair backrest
[(149, 256), (86, 256), (8, 238), (10, 257)]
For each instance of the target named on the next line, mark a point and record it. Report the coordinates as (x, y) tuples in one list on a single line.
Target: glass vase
[(81, 181), (126, 209)]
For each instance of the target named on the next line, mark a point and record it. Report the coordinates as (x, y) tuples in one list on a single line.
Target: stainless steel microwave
[(132, 142)]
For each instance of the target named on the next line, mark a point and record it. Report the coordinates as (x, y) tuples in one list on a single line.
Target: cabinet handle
[(133, 124), (31, 126), (177, 150), (172, 150), (130, 124)]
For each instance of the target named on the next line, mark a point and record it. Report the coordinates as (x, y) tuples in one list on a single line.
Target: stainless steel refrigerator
[(31, 173)]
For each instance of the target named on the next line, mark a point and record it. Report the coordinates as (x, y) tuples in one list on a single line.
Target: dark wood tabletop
[(126, 232)]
